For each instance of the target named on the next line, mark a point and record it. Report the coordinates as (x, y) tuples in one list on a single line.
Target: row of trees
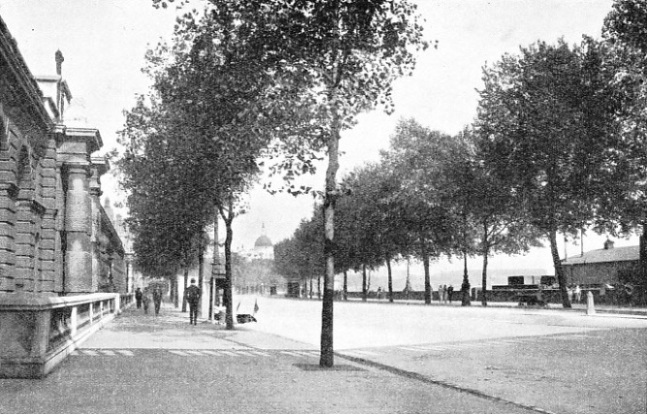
[(246, 78), (558, 146)]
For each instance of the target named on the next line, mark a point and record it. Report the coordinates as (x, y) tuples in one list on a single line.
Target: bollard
[(590, 306)]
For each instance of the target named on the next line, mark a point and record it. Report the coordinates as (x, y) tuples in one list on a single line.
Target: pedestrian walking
[(193, 294), (450, 291), (157, 299), (146, 300), (441, 293), (138, 297), (578, 294), (569, 292)]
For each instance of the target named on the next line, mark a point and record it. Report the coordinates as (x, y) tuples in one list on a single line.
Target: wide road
[(554, 360)]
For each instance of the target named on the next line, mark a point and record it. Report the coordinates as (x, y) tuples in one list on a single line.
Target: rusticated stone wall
[(55, 238)]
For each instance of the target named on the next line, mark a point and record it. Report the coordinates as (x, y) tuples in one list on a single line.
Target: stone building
[(55, 238), (58, 248), (609, 265)]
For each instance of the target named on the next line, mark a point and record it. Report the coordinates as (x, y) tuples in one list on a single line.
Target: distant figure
[(441, 293), (193, 294), (450, 291), (578, 294), (146, 300), (157, 299), (569, 292), (138, 297)]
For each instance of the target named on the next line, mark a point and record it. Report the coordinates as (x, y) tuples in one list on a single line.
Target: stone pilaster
[(78, 210), (7, 238), (119, 273), (95, 249), (49, 262)]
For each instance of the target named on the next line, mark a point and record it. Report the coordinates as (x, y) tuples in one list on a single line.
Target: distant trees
[(416, 158)]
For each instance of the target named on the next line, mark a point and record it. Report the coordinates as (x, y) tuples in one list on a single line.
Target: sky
[(104, 42)]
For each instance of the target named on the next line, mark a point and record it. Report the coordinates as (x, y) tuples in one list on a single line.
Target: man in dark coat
[(138, 297), (157, 299), (193, 294)]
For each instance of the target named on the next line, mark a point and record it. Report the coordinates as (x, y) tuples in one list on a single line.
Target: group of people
[(143, 299), (445, 293), (574, 293)]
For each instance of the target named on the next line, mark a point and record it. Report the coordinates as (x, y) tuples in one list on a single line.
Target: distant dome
[(263, 241)]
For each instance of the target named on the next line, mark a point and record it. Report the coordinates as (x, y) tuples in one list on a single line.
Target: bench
[(532, 299)]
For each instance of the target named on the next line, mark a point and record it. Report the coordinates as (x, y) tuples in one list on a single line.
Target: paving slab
[(146, 364)]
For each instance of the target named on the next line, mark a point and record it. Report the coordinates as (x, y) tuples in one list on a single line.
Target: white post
[(74, 320), (590, 306), (91, 313)]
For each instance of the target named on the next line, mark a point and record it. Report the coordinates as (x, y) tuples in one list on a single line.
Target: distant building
[(263, 248), (608, 265)]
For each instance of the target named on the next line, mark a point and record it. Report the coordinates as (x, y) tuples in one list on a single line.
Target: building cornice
[(18, 69)]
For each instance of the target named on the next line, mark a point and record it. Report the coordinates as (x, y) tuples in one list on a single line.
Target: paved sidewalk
[(146, 364)]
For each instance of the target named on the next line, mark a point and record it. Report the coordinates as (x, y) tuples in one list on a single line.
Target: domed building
[(263, 247)]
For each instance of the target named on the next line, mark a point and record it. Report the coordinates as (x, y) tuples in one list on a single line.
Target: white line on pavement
[(178, 353), (260, 353), (230, 353)]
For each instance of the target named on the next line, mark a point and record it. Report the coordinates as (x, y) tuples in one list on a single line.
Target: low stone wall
[(38, 332)]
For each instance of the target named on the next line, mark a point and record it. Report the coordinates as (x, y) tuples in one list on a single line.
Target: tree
[(495, 214), (164, 219), (369, 227), (215, 89), (348, 54), (626, 59), (416, 157), (335, 59), (548, 133)]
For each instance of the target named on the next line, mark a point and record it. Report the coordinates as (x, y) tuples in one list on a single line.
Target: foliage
[(416, 158), (548, 119)]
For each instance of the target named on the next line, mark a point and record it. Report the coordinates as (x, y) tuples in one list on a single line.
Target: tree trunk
[(484, 275), (319, 287), (186, 277), (227, 294), (643, 254), (327, 356), (345, 285), (364, 284), (312, 289), (175, 288), (215, 270), (390, 280), (425, 264), (200, 276), (559, 272)]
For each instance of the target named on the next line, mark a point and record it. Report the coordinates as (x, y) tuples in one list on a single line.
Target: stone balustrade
[(38, 332)]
